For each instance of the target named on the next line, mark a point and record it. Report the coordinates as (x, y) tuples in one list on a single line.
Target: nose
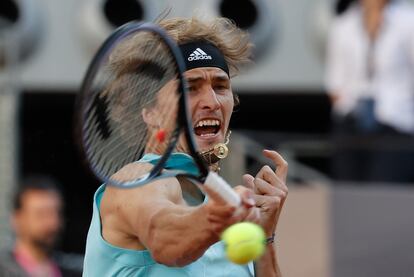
[(53, 220), (208, 99)]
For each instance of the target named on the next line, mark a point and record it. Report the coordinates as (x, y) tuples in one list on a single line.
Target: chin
[(206, 143), (46, 244)]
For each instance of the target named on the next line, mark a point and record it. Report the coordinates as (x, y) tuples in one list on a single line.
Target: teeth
[(208, 122)]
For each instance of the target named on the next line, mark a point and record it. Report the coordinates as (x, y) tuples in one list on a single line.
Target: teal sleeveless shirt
[(103, 259)]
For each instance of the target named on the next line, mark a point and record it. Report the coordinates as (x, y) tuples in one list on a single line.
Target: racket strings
[(124, 144), (167, 110), (140, 128), (116, 133)]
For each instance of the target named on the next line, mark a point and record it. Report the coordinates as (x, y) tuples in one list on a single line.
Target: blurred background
[(349, 210)]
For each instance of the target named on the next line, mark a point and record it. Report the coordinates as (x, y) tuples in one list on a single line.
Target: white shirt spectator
[(392, 86)]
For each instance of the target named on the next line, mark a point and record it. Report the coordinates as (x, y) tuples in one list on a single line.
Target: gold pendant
[(220, 150)]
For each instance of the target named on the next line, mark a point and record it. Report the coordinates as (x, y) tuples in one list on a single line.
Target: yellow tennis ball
[(244, 242)]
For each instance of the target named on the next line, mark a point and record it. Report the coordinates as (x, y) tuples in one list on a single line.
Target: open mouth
[(207, 127)]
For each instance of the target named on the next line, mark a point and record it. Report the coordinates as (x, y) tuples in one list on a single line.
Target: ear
[(149, 116)]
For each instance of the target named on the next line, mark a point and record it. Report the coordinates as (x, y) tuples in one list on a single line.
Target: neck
[(373, 17), (29, 249)]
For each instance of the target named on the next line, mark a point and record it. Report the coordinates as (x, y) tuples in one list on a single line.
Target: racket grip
[(219, 185)]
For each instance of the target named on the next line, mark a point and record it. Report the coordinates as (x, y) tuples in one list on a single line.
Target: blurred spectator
[(37, 221), (370, 78)]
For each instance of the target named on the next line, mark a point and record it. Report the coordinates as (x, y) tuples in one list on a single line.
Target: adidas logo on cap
[(199, 54)]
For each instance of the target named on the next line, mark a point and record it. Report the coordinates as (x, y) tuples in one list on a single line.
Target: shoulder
[(9, 266), (352, 14), (129, 200), (132, 171), (160, 187), (6, 257), (122, 210), (343, 26), (400, 18), (402, 11)]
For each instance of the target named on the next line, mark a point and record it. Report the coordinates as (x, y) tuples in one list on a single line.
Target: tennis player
[(154, 230)]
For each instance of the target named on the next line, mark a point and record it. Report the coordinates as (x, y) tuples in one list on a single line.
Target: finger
[(248, 181), (220, 211), (266, 173), (219, 219), (281, 164), (269, 201), (253, 215), (219, 227), (264, 188), (274, 180), (246, 196)]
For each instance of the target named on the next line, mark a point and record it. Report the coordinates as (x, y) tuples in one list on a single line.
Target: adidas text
[(201, 57)]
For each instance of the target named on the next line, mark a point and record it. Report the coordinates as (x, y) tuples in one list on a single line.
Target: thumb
[(248, 181)]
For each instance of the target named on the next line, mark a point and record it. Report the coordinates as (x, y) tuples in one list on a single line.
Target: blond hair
[(233, 42), (128, 56)]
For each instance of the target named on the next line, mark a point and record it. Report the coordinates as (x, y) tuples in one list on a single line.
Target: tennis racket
[(133, 101)]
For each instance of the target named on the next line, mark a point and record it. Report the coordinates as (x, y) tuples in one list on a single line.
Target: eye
[(221, 87), (192, 88)]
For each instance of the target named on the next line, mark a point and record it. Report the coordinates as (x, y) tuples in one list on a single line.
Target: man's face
[(373, 5), (39, 219), (211, 105)]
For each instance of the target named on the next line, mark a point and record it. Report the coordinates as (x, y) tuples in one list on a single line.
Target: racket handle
[(219, 185)]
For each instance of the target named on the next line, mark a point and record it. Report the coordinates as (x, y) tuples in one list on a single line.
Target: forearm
[(267, 265), (179, 236)]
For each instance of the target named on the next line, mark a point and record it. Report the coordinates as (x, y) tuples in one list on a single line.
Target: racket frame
[(183, 119)]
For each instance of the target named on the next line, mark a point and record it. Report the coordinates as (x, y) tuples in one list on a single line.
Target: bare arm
[(177, 235), (268, 265), (270, 194), (157, 216)]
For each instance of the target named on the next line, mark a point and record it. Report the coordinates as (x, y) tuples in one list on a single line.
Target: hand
[(221, 215), (270, 190), (334, 97)]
